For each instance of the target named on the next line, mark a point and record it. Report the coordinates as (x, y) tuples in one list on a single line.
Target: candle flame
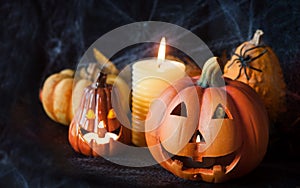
[(162, 49), (198, 139)]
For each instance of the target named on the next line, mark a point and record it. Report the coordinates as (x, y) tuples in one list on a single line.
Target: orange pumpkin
[(95, 130), (258, 66), (56, 96), (218, 134)]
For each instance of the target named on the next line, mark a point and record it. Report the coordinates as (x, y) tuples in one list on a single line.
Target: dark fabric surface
[(35, 152), (39, 38)]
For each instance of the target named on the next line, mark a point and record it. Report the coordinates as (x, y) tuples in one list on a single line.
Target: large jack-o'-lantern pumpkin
[(95, 129), (210, 134)]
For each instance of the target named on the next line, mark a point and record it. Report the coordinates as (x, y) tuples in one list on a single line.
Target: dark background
[(40, 37)]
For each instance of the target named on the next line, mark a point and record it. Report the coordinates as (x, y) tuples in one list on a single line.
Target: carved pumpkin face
[(217, 134), (95, 130)]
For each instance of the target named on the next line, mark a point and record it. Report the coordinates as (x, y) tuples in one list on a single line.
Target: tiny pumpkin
[(56, 96), (95, 129), (214, 136), (258, 66)]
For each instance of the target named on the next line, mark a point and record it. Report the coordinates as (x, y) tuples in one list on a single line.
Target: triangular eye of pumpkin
[(180, 110), (220, 113)]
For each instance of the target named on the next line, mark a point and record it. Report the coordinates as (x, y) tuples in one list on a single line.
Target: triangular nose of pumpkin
[(197, 137)]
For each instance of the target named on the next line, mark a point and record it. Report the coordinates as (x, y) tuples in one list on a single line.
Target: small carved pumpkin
[(258, 66), (220, 133), (95, 130), (61, 93)]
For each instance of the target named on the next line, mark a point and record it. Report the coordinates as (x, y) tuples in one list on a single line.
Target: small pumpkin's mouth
[(88, 136), (84, 131), (208, 165)]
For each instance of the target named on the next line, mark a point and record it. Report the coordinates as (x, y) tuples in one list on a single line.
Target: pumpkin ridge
[(48, 101), (62, 91), (255, 135), (261, 110), (50, 112)]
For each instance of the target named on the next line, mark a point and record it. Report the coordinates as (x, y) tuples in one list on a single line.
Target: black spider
[(245, 60)]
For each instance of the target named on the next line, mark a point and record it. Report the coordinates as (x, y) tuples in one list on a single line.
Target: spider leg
[(242, 50), (255, 68), (254, 58), (245, 71), (253, 49), (235, 54), (232, 62), (240, 71)]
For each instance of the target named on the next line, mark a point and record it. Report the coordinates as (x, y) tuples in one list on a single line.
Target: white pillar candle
[(149, 78)]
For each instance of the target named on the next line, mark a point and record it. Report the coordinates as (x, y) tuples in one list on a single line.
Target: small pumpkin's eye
[(220, 113), (180, 110)]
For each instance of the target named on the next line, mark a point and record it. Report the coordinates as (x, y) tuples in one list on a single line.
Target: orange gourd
[(258, 66)]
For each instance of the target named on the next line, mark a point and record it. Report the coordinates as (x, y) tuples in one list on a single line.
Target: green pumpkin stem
[(211, 75)]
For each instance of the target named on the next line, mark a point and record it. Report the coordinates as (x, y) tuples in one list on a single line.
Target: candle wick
[(159, 62)]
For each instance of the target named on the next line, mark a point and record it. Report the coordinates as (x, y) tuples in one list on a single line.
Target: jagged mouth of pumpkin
[(89, 136), (208, 165)]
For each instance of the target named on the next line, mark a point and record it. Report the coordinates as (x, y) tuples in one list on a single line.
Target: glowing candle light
[(101, 125), (198, 139), (161, 51)]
